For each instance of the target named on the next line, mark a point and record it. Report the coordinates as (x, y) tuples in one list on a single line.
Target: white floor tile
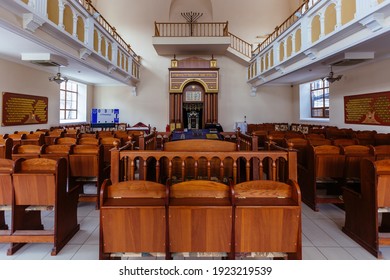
[(312, 253), (316, 235), (87, 252), (335, 253)]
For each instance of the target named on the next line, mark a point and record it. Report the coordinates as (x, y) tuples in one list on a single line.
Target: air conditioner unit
[(45, 59)]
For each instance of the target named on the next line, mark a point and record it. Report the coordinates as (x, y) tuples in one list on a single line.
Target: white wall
[(364, 78), (135, 23), (16, 78)]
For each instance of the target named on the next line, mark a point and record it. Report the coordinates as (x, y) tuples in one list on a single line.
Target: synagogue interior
[(208, 129)]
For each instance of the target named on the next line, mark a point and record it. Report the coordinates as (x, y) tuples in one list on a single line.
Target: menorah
[(191, 17)]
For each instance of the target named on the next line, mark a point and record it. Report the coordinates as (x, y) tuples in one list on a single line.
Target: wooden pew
[(200, 218), (88, 141), (6, 170), (41, 184), (132, 219), (25, 151), (321, 182), (87, 166), (6, 148), (382, 152), (268, 219), (363, 208), (354, 154)]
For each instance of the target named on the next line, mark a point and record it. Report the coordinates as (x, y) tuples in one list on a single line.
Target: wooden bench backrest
[(345, 142), (65, 141), (199, 189), (263, 188), (6, 170), (85, 160), (35, 181), (382, 168), (319, 141), (6, 148), (88, 141), (25, 151), (203, 145), (382, 152), (134, 189), (353, 156), (328, 160)]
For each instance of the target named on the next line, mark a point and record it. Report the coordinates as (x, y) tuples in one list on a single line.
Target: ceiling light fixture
[(58, 78), (331, 78)]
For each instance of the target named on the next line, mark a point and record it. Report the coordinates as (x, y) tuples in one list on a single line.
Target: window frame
[(323, 94), (64, 111)]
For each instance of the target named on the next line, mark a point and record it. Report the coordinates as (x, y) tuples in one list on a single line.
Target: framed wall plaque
[(370, 109), (22, 109)]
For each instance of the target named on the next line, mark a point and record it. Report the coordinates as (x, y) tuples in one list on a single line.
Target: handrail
[(297, 14), (87, 4), (187, 29), (240, 45)]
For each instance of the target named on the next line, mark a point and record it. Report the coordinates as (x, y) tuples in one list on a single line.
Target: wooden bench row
[(367, 208), (200, 217), (85, 163), (327, 168), (29, 186)]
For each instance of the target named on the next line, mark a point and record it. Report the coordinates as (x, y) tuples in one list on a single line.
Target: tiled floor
[(322, 238)]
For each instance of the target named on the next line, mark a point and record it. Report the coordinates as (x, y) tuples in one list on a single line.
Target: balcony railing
[(202, 29), (87, 4), (296, 15), (196, 29)]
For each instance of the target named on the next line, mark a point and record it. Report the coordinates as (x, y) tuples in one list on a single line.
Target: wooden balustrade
[(306, 5), (162, 165), (240, 45), (185, 29)]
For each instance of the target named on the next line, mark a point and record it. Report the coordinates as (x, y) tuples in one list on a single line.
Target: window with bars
[(69, 92), (319, 96)]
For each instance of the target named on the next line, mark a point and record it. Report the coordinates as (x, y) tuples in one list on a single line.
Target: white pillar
[(61, 8), (75, 17)]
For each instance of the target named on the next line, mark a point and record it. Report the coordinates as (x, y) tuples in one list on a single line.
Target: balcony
[(200, 38), (319, 34), (86, 46)]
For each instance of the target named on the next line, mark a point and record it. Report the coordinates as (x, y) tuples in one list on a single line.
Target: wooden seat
[(268, 219), (321, 181), (17, 138), (6, 170), (319, 141), (40, 184), (345, 142), (367, 215), (88, 141), (132, 219), (200, 218), (34, 139), (53, 135), (65, 141), (6, 148), (25, 151), (86, 166)]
